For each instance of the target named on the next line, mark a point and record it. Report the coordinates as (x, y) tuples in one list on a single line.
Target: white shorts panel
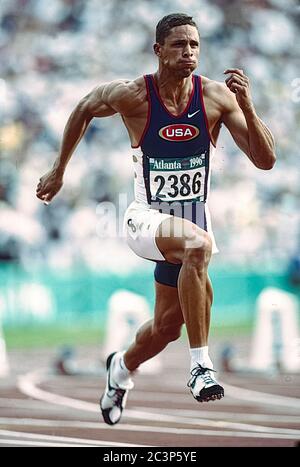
[(210, 232), (140, 225)]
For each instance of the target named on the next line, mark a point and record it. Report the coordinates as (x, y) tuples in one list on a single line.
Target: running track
[(39, 408)]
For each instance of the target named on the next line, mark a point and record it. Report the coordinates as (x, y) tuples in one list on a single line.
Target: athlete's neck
[(172, 87)]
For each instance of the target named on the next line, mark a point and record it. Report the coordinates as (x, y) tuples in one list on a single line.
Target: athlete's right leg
[(181, 241)]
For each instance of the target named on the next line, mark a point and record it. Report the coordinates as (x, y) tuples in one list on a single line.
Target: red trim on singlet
[(204, 111), (148, 115), (162, 103)]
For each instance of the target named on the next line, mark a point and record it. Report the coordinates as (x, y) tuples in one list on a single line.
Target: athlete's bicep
[(235, 121)]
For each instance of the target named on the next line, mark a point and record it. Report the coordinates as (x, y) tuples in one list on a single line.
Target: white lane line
[(29, 404), (34, 404), (150, 429), (220, 424), (98, 425), (261, 397), (182, 397), (41, 405), (150, 396), (254, 417), (233, 395), (78, 441), (38, 443), (27, 385)]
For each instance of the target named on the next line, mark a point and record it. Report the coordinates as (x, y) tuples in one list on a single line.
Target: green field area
[(37, 336), (45, 336), (44, 308)]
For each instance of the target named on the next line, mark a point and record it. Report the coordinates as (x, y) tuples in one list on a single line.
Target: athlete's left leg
[(151, 339), (156, 333), (166, 326)]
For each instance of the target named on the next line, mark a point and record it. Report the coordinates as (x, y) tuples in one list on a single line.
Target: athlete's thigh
[(175, 234), (167, 312)]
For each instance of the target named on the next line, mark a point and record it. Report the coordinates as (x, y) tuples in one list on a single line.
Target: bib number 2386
[(177, 179)]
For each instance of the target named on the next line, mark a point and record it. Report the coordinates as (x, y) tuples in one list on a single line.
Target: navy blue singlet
[(176, 152)]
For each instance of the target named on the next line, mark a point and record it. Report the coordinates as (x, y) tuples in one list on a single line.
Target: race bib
[(180, 179)]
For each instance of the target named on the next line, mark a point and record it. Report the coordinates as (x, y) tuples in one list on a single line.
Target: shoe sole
[(105, 412), (216, 395), (213, 397)]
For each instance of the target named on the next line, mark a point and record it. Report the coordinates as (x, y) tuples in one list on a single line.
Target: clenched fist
[(239, 84), (48, 186)]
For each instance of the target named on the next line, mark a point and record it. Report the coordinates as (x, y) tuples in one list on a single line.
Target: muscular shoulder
[(125, 96), (119, 96), (219, 94)]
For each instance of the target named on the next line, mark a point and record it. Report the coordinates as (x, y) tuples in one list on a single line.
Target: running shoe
[(114, 398), (203, 385)]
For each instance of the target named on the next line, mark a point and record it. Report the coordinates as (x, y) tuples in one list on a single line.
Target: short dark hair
[(168, 22)]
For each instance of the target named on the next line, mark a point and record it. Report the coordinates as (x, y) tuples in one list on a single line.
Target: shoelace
[(200, 371), (118, 397)]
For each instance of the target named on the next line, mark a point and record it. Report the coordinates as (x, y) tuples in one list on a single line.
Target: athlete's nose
[(187, 51)]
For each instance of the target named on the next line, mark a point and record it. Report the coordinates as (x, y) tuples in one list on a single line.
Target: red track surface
[(160, 410)]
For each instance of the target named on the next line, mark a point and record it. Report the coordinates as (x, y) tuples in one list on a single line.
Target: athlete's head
[(177, 44)]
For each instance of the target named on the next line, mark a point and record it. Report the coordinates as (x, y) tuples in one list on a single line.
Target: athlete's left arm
[(247, 129)]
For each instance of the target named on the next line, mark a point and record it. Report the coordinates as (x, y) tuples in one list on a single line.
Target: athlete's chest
[(137, 122)]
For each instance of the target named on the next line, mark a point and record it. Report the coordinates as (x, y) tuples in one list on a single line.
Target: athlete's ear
[(156, 49)]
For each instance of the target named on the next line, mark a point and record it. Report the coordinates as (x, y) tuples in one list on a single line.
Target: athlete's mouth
[(187, 63)]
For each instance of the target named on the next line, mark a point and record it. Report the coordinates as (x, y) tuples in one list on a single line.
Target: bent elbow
[(273, 162), (267, 165)]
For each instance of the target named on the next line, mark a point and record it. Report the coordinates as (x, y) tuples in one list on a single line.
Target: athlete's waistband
[(194, 211)]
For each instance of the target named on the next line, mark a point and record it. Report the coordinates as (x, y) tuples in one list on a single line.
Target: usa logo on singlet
[(179, 132)]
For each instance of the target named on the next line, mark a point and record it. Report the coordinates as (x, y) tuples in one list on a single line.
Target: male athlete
[(173, 118)]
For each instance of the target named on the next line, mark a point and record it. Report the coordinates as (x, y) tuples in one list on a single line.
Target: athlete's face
[(180, 52)]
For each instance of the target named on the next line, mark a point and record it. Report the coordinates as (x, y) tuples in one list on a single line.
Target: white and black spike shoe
[(203, 385), (114, 398)]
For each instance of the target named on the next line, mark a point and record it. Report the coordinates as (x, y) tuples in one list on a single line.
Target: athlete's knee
[(198, 249)]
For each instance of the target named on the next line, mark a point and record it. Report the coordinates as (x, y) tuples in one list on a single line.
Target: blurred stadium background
[(56, 272)]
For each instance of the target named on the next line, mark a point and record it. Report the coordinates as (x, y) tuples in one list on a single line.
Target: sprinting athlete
[(173, 118)]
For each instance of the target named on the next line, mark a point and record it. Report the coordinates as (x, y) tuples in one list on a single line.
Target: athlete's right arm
[(103, 101)]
